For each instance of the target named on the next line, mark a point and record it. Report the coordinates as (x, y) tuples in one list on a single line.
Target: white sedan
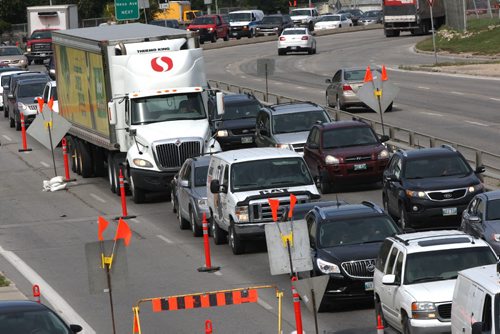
[(296, 40), (333, 21)]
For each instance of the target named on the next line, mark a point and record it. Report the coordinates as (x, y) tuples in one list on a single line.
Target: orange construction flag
[(293, 200), (368, 75), (274, 204), (123, 232), (40, 104), (384, 74), (51, 102), (136, 329), (102, 225)]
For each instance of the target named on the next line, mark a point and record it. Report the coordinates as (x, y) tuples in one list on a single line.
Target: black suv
[(273, 24), (345, 240), (236, 127), (429, 187)]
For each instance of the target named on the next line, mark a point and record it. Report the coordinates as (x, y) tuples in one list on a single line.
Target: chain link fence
[(459, 11)]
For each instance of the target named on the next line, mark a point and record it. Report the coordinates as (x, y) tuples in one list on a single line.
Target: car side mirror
[(184, 183), (215, 187), (475, 219), (480, 169), (328, 81), (391, 178), (389, 279), (264, 132), (313, 146), (5, 87), (75, 328), (477, 327), (384, 138), (10, 96)]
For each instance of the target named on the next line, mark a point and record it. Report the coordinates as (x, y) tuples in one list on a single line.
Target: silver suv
[(415, 276)]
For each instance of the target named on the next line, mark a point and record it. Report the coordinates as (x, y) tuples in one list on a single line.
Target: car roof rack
[(407, 241), (449, 147), (373, 206)]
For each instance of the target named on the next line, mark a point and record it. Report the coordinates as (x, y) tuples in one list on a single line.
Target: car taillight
[(305, 38), (346, 87), (282, 38)]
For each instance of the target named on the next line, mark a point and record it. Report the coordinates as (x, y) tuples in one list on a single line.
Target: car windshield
[(444, 264), (493, 210), (163, 108), (298, 122), (41, 35), (355, 231), (247, 109), (203, 20), (236, 17), (330, 18), (370, 14), (283, 172), (271, 20), (298, 12), (30, 321), (426, 167), (31, 90), (345, 137), (200, 176), (294, 32), (10, 52)]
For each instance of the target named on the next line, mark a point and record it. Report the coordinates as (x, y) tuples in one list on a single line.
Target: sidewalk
[(11, 292)]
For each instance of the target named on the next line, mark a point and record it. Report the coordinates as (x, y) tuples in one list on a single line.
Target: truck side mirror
[(219, 98), (184, 183), (112, 112), (480, 169), (215, 187), (389, 279)]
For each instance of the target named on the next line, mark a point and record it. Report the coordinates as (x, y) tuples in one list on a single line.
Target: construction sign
[(377, 92)]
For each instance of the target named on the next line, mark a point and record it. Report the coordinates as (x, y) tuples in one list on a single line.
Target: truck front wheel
[(237, 245), (219, 235), (138, 195)]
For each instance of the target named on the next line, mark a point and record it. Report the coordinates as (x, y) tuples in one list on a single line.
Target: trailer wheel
[(98, 166), (73, 151), (84, 159)]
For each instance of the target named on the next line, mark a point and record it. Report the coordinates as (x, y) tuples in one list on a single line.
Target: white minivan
[(476, 301), (240, 182), (243, 23)]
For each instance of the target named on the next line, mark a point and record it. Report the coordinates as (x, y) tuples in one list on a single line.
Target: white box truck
[(125, 89)]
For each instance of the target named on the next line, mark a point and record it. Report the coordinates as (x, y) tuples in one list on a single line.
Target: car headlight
[(423, 310), (416, 193), (384, 154), (21, 106), (285, 146), (245, 27), (331, 160), (202, 203), (327, 267), (222, 133), (495, 237), (476, 188), (142, 163), (242, 213)]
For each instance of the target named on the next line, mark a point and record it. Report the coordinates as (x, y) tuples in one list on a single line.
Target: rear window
[(298, 122), (294, 32)]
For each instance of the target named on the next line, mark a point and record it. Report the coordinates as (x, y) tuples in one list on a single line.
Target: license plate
[(246, 140), (449, 211), (368, 286), (360, 167), (294, 48)]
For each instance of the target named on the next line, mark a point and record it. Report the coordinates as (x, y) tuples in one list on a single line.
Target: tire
[(339, 104), (112, 176), (201, 41), (406, 325), (12, 122), (226, 37), (72, 155), (310, 51), (84, 159), (385, 204), (281, 52), (218, 234), (403, 217), (17, 122), (98, 166), (138, 195), (197, 230), (183, 223), (237, 245), (173, 202), (214, 37), (327, 100), (324, 184), (311, 26), (314, 50), (5, 111)]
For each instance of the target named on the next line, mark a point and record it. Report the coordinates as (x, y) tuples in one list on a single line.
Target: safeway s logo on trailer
[(162, 64)]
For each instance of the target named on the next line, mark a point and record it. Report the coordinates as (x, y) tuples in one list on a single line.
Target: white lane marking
[(97, 198), (422, 87), (54, 299), (278, 83), (491, 98), (264, 304), (432, 114), (476, 123), (7, 137), (243, 77), (44, 164), (168, 241), (218, 273), (458, 93), (300, 87), (257, 79)]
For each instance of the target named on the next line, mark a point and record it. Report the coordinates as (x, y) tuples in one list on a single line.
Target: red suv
[(210, 28), (345, 152)]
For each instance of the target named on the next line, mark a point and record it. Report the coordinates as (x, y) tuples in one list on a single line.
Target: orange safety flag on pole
[(384, 74), (51, 102), (137, 328), (368, 75), (40, 104), (123, 232), (101, 227), (293, 200), (274, 204)]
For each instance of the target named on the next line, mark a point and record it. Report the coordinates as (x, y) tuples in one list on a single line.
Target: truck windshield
[(272, 20), (444, 264), (164, 108), (284, 172), (41, 35), (298, 122), (237, 17)]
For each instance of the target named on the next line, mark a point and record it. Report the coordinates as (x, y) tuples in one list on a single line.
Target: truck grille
[(173, 155), (359, 268), (444, 311), (41, 47), (246, 131), (260, 211), (446, 195)]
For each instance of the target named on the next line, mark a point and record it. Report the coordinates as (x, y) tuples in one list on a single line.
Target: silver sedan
[(296, 40)]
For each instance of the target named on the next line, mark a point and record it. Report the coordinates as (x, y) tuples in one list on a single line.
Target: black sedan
[(28, 317), (481, 218), (355, 14)]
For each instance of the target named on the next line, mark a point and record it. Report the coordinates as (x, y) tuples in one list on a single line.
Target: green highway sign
[(126, 10)]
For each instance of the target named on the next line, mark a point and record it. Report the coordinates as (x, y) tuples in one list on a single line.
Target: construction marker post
[(380, 326), (36, 293), (124, 199), (208, 263), (64, 143), (208, 326), (296, 306), (23, 135)]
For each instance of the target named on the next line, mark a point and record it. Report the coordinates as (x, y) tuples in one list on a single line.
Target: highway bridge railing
[(400, 138)]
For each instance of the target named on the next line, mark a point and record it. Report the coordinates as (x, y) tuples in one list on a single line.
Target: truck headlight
[(142, 163), (327, 267), (285, 146), (242, 213), (331, 160), (210, 29), (384, 154), (415, 193), (222, 133), (28, 49), (423, 310), (202, 203)]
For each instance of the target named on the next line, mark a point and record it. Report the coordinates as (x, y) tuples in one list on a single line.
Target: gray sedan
[(482, 218), (189, 194)]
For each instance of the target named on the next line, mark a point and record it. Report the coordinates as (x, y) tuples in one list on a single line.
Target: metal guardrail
[(400, 138)]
